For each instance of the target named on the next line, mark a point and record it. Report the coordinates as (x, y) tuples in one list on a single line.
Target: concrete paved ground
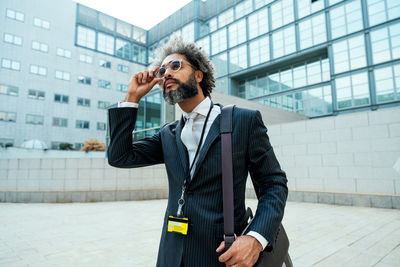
[(127, 234)]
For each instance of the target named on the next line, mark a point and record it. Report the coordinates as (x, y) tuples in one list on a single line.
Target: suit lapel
[(181, 147), (213, 133)]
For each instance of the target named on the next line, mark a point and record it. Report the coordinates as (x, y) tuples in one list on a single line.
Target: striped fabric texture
[(252, 153)]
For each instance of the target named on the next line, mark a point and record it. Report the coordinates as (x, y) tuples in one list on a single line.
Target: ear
[(198, 74)]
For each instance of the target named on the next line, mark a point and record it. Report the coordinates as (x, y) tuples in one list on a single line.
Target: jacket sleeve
[(269, 181), (122, 152)]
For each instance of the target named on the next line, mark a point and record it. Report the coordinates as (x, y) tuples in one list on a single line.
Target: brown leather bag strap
[(227, 174)]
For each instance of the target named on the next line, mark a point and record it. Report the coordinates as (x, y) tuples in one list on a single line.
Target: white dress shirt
[(202, 109)]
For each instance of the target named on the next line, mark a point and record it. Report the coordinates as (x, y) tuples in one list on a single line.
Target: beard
[(184, 91)]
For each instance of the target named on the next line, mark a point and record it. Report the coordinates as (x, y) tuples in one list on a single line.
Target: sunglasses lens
[(161, 72), (175, 65)]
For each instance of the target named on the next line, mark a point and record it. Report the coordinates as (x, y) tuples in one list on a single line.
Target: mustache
[(172, 79)]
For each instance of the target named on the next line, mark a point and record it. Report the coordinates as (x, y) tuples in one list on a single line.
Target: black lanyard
[(181, 201)]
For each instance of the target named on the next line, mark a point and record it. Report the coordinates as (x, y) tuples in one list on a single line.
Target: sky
[(141, 13)]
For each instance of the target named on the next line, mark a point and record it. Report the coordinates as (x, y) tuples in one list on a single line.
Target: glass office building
[(312, 57)]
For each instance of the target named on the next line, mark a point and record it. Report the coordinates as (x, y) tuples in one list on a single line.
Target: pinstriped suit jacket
[(252, 153)]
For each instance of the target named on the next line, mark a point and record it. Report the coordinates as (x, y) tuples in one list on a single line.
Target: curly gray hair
[(196, 57)]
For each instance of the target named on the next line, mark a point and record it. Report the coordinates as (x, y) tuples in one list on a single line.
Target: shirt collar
[(201, 108)]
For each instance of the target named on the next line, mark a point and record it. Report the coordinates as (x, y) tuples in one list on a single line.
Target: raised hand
[(140, 84)]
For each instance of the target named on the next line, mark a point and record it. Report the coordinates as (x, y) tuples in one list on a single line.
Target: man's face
[(179, 81)]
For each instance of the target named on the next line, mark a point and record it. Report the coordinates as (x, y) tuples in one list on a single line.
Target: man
[(190, 148)]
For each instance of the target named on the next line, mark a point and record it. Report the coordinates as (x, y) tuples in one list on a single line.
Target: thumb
[(221, 247), (154, 81)]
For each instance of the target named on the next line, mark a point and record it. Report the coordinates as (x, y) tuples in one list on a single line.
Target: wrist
[(132, 98)]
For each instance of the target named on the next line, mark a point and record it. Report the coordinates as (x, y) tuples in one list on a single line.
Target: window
[(139, 35), (204, 44), (237, 33), (218, 41), (105, 43), (86, 37), (282, 13), (8, 116), (122, 87), (349, 54), (36, 94), (123, 49), (188, 32), (346, 18), (312, 31), (259, 51), (138, 53), (41, 23), (84, 80), (38, 70), (61, 98), (258, 23), (6, 142), (103, 104), (63, 52), (12, 14), (62, 75), (284, 42), (83, 102), (382, 10), (38, 46), (60, 122), (10, 64), (387, 83), (56, 145), (385, 43), (238, 58), (105, 64), (82, 124), (243, 8), (8, 90), (260, 3), (101, 126), (307, 7), (352, 90), (123, 68), (86, 58), (12, 39), (34, 119), (104, 84), (225, 18), (220, 63), (213, 24)]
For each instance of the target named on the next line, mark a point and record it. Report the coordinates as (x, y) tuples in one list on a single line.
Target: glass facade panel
[(238, 58), (258, 23), (87, 16), (123, 29), (218, 41), (204, 43), (243, 8), (106, 23), (105, 43), (352, 91), (385, 43), (188, 32), (260, 3), (349, 54), (307, 7), (346, 18), (220, 63), (225, 18), (123, 49), (380, 11), (138, 53), (237, 33), (222, 85), (387, 83), (86, 37), (312, 31), (282, 13), (259, 51), (284, 42)]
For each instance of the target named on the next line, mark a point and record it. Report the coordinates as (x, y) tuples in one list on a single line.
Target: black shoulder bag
[(276, 257)]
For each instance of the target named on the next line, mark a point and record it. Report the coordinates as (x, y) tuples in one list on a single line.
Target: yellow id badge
[(178, 225)]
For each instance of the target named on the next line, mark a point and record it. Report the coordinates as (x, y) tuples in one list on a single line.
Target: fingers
[(221, 247), (226, 257)]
